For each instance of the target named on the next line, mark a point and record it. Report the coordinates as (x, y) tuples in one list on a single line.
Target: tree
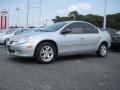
[(73, 13), (113, 20), (94, 19)]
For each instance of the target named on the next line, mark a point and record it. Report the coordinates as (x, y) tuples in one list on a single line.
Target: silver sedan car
[(5, 35), (63, 38), (11, 32)]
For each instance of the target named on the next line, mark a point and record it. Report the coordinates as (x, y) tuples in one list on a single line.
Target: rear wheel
[(102, 50), (45, 53)]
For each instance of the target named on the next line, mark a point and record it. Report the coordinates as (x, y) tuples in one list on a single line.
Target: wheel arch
[(104, 42), (50, 41)]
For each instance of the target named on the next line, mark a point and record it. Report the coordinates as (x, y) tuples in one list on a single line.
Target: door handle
[(82, 38), (98, 38)]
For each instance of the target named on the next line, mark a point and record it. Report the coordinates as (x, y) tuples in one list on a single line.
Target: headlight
[(23, 40)]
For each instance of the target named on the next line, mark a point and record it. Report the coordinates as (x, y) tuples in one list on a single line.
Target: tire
[(102, 50), (5, 41), (45, 53)]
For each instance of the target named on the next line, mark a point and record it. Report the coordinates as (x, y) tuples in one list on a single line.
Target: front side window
[(75, 28), (81, 28)]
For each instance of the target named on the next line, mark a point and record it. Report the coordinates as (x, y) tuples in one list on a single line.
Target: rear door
[(91, 36), (83, 37)]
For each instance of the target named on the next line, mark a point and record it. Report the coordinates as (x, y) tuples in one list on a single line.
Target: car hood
[(6, 35), (2, 34)]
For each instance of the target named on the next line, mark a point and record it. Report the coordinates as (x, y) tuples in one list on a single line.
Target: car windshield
[(10, 31), (2, 31), (38, 30), (54, 27), (23, 31)]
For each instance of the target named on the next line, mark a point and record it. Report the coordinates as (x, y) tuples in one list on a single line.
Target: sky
[(52, 8)]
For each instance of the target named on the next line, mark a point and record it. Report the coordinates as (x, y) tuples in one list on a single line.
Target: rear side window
[(89, 28)]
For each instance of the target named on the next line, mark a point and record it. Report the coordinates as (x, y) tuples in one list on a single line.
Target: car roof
[(75, 21), (118, 32)]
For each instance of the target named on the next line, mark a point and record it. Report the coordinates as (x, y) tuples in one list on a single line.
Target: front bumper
[(20, 50), (115, 45)]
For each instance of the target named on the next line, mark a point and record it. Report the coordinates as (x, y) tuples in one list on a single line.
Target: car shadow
[(22, 60), (58, 59), (76, 57)]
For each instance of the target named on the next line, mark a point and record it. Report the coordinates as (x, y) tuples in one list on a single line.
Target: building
[(3, 19)]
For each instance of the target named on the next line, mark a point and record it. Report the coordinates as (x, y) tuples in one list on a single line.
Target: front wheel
[(45, 53), (102, 50)]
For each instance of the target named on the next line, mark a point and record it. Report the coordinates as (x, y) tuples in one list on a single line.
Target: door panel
[(71, 43), (91, 41), (83, 37)]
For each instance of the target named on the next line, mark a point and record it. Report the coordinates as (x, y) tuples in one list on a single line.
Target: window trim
[(82, 23)]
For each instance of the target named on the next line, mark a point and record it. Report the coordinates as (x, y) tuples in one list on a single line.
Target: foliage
[(113, 20)]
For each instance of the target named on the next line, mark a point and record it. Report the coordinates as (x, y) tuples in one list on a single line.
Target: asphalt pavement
[(79, 72)]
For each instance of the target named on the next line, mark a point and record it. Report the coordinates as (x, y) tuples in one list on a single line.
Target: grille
[(117, 39)]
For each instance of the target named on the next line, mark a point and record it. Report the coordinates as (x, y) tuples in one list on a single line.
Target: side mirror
[(66, 31)]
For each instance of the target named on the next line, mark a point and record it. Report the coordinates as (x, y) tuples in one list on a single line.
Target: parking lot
[(80, 72)]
